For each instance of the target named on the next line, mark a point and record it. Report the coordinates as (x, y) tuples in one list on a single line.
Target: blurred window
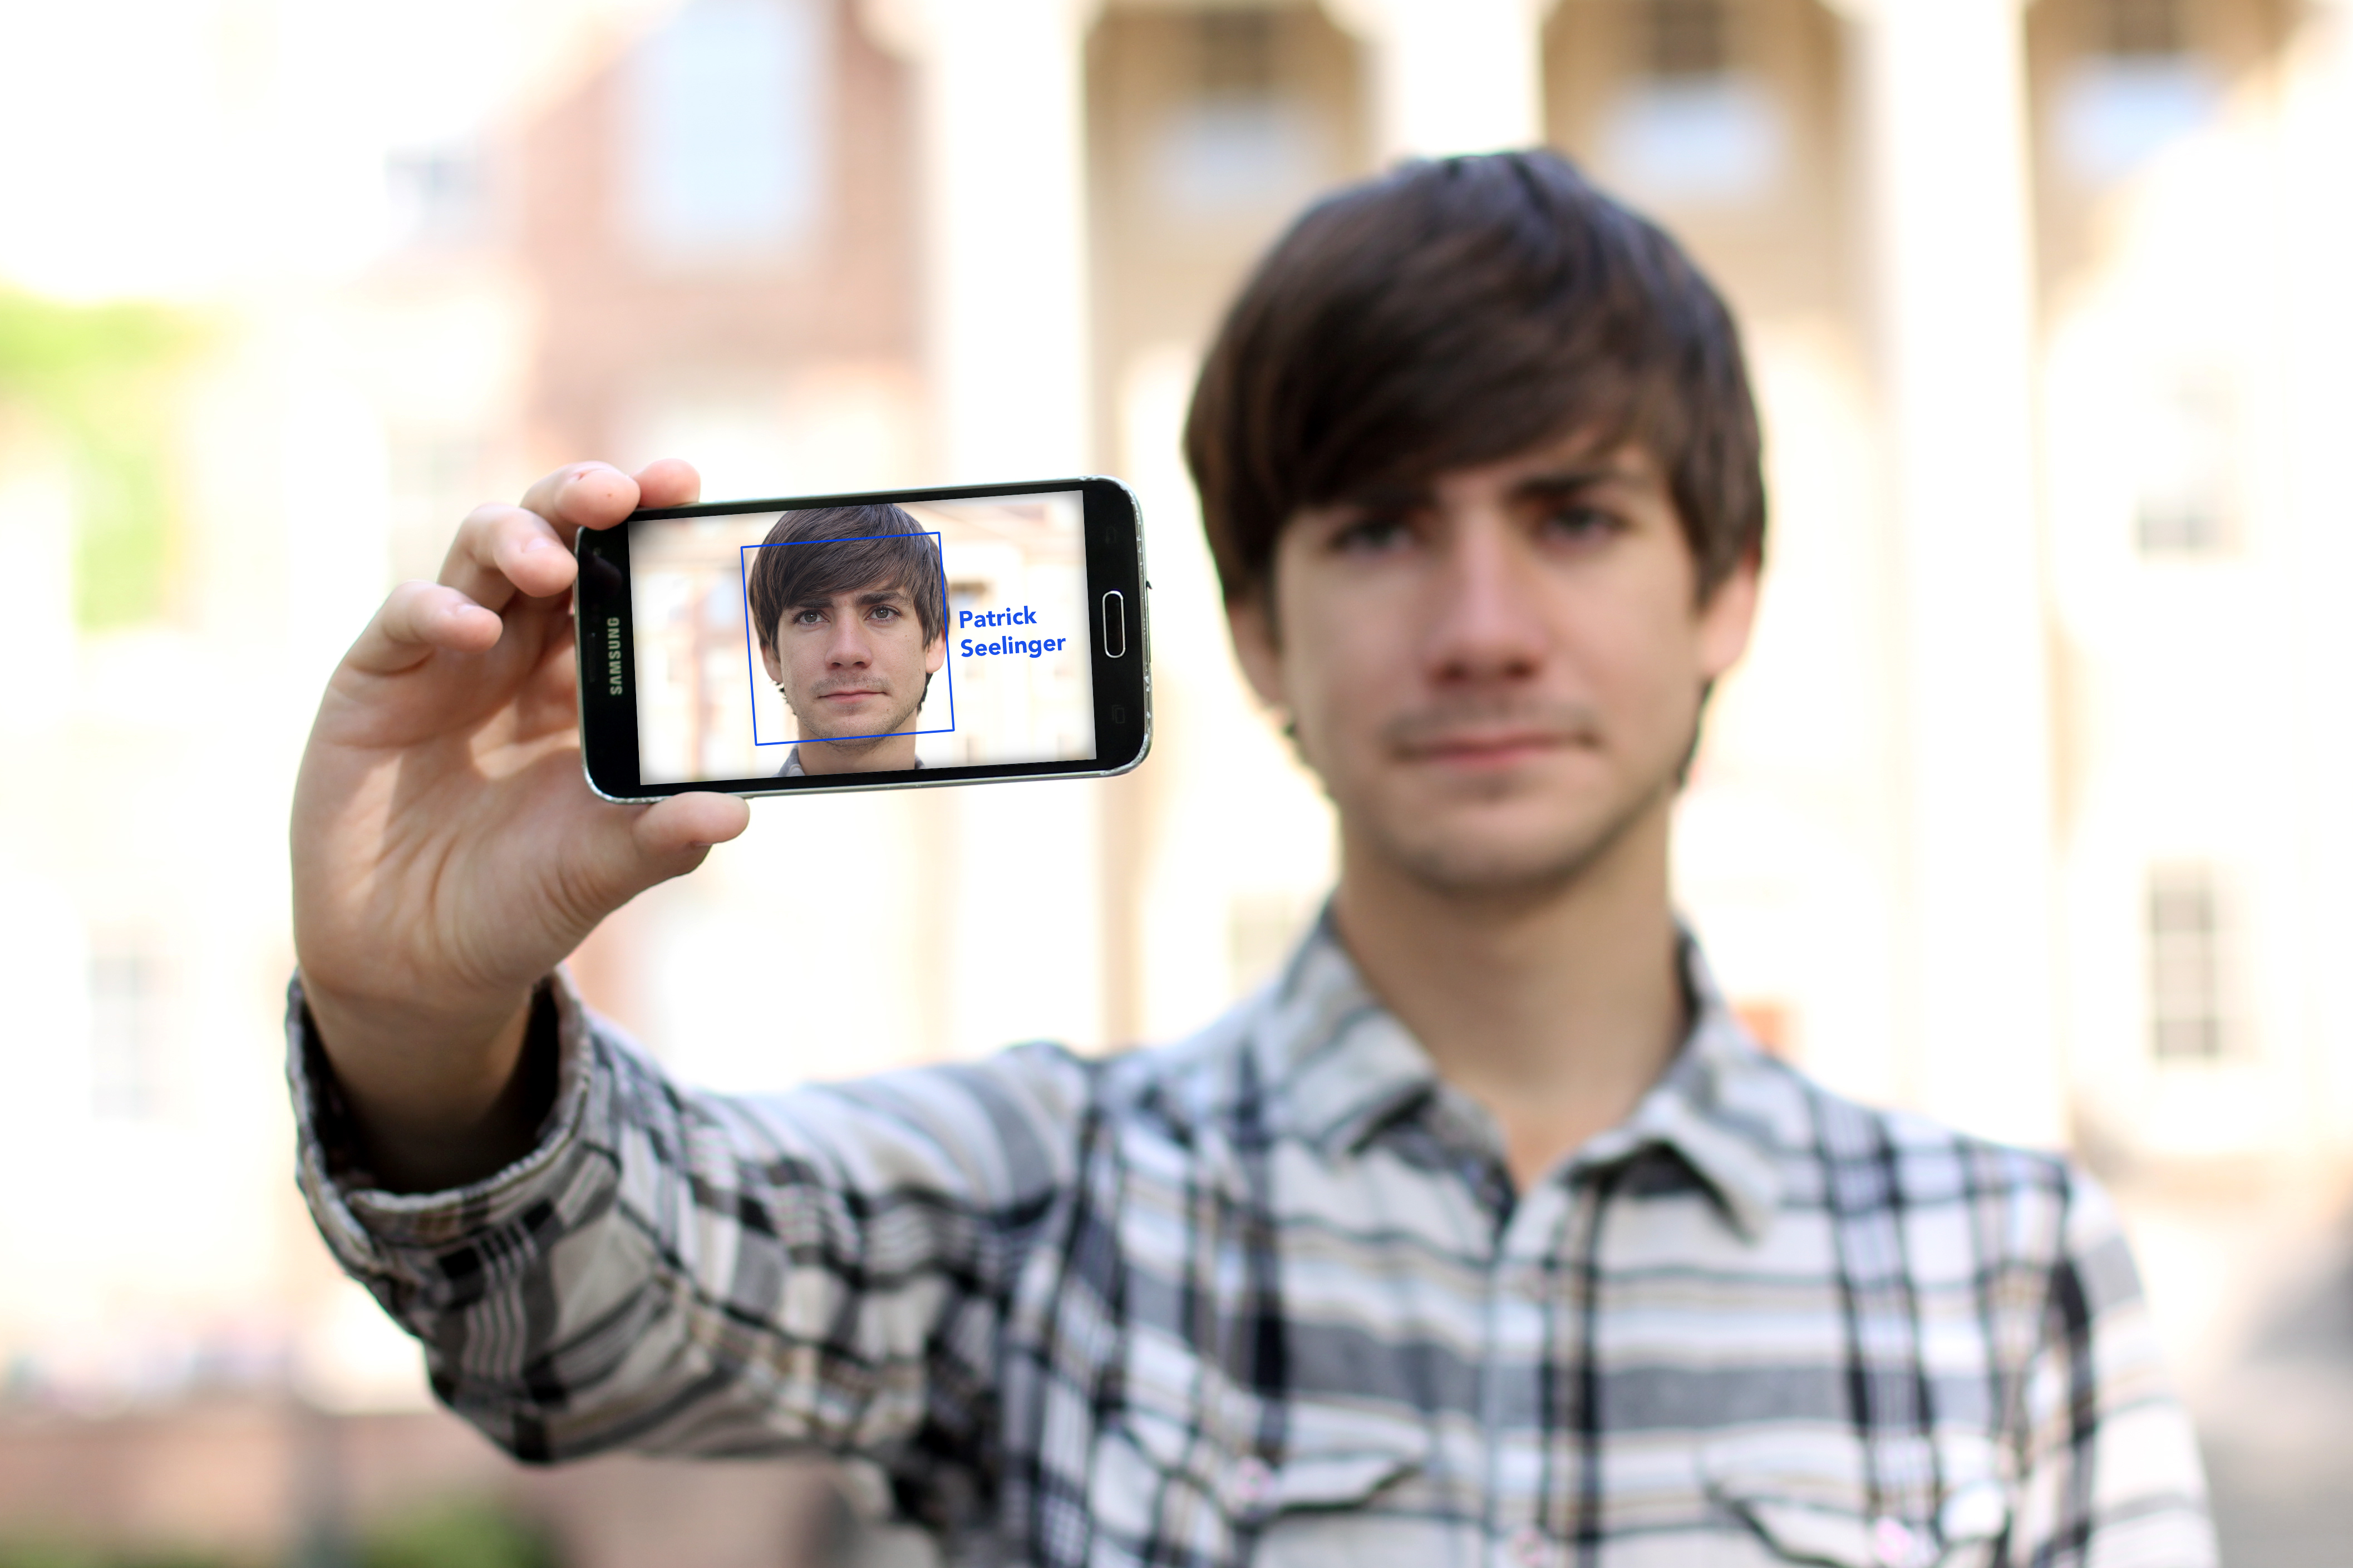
[(437, 195), (1236, 50), (724, 139), (2139, 87), (1692, 126), (1241, 142), (2140, 28), (2182, 505), (1686, 38), (126, 1015), (2184, 971)]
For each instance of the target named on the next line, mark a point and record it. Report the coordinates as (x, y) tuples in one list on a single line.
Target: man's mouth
[(1487, 749), (1490, 740)]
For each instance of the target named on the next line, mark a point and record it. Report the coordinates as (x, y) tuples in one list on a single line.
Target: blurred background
[(2030, 808)]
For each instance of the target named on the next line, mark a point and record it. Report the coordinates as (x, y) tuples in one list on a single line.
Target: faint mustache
[(1454, 723), (833, 683)]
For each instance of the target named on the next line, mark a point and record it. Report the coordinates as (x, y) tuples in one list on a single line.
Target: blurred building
[(2028, 808)]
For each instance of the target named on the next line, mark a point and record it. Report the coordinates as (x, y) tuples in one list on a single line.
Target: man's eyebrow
[(1391, 496), (1563, 481), (1406, 495), (870, 596)]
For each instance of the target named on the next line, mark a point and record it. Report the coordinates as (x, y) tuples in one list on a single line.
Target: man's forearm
[(430, 1118)]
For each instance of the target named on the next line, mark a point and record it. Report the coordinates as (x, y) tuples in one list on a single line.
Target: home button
[(1114, 623)]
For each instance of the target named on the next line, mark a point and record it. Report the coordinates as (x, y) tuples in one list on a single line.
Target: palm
[(447, 850), (460, 787)]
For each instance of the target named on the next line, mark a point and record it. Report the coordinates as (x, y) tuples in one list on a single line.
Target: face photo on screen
[(848, 609), (877, 638)]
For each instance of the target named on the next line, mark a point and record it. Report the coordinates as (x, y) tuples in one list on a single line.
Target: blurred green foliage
[(35, 1554), (97, 378), (470, 1534), (457, 1535)]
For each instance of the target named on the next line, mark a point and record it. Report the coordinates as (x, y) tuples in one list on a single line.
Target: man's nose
[(850, 644), (1486, 621)]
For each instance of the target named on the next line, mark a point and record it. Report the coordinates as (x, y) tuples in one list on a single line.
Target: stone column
[(1452, 75), (1943, 129), (2317, 130), (1018, 889), (1002, 89)]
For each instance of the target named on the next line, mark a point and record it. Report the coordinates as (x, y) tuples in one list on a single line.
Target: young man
[(849, 604), (1484, 1237)]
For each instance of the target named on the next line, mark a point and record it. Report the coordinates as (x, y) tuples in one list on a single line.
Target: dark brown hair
[(1457, 312), (837, 549)]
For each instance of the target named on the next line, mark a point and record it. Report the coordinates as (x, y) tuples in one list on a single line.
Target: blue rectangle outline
[(752, 681)]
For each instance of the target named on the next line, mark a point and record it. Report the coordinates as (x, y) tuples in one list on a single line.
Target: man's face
[(1497, 672), (853, 665)]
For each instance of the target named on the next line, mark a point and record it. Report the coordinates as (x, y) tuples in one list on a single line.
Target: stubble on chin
[(894, 727), (1462, 862)]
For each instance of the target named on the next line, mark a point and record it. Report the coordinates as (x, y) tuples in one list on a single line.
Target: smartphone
[(884, 640)]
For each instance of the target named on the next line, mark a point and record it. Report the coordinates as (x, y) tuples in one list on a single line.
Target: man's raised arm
[(447, 853), (592, 1255), (677, 1272)]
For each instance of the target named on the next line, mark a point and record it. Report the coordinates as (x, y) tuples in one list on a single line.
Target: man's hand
[(446, 851)]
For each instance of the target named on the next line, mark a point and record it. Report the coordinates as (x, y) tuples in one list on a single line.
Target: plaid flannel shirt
[(1268, 1296)]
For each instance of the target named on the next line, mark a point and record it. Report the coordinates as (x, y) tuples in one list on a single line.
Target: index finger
[(582, 495), (598, 495)]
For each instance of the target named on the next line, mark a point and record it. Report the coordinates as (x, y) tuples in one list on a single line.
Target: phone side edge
[(592, 549)]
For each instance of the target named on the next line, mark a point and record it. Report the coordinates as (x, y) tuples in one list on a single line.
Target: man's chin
[(850, 736), (1502, 850), (1475, 868)]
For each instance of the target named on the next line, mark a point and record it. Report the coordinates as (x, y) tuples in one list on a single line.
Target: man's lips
[(1499, 732), (1486, 748), (851, 695)]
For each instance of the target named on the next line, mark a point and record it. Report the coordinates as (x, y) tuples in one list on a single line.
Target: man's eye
[(809, 617), (1579, 522), (884, 612), (1372, 536)]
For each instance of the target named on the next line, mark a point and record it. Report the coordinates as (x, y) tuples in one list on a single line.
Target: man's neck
[(1554, 1010), (857, 756)]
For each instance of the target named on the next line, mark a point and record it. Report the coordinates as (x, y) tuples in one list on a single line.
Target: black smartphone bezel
[(605, 645)]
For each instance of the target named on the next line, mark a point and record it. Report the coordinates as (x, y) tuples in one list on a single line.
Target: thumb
[(631, 853), (691, 824)]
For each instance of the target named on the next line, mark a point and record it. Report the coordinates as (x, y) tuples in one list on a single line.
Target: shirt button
[(1530, 1549), (1252, 1482)]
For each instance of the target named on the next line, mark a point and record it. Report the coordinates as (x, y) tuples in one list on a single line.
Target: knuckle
[(483, 520)]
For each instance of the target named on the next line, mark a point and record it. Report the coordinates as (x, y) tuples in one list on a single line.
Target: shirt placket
[(1519, 1380)]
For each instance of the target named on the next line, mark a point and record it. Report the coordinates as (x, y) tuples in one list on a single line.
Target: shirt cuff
[(365, 1225)]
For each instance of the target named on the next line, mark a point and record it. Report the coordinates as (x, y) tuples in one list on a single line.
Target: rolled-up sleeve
[(680, 1272)]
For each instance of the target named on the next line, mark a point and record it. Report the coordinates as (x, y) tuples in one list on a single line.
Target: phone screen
[(902, 638)]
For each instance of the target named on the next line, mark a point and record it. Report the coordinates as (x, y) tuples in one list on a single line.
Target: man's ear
[(775, 667), (1252, 626), (1727, 618), (936, 654)]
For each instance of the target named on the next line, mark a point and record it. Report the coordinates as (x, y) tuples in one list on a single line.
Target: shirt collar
[(792, 769), (1341, 1068)]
